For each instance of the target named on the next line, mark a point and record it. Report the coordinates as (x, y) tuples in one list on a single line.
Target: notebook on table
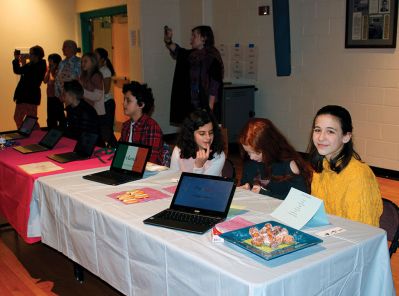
[(48, 142), (83, 149), (24, 130), (128, 164), (199, 202)]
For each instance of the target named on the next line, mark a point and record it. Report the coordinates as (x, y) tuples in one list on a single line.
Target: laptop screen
[(86, 144), (51, 138), (131, 157), (28, 125), (204, 192)]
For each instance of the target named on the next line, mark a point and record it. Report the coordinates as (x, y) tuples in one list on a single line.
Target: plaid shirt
[(145, 131)]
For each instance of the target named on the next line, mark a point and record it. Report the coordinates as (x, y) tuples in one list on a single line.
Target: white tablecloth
[(108, 238)]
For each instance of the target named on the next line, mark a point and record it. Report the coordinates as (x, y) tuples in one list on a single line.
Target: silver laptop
[(48, 142), (128, 164), (200, 202)]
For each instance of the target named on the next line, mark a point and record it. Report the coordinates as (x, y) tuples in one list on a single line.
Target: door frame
[(85, 25)]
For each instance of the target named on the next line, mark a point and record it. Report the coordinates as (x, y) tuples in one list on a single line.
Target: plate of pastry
[(270, 239)]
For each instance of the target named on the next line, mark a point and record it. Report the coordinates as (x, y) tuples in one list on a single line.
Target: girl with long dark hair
[(274, 166), (199, 146), (345, 183), (107, 70)]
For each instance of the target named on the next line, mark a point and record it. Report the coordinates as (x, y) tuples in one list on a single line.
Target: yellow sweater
[(353, 193)]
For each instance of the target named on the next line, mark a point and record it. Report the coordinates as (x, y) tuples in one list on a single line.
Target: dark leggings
[(107, 123), (55, 113)]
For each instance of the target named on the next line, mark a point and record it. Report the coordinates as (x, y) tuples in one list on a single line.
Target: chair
[(166, 154), (225, 139), (229, 170), (389, 221)]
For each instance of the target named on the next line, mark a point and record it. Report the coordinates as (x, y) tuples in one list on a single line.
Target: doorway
[(108, 28)]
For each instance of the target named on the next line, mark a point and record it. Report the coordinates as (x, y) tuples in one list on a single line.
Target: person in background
[(27, 94), (69, 68), (107, 70), (81, 117), (199, 146), (92, 82), (55, 108), (198, 78), (93, 86), (274, 166), (345, 183), (138, 103)]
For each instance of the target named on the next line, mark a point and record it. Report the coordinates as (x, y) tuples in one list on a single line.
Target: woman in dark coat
[(198, 79), (27, 94)]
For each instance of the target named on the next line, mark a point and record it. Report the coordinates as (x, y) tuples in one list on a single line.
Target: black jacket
[(82, 118), (279, 189), (210, 67), (28, 88)]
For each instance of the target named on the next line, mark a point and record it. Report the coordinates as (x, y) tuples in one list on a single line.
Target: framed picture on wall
[(371, 23)]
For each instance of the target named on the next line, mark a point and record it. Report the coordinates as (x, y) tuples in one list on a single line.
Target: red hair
[(263, 136)]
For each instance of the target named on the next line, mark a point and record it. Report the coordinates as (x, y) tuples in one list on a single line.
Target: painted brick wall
[(366, 81)]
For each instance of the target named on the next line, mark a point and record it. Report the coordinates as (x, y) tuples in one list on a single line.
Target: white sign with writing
[(300, 209)]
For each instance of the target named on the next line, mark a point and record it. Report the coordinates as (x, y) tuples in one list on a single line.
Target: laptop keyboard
[(34, 147), (119, 176), (189, 218), (13, 136), (70, 156)]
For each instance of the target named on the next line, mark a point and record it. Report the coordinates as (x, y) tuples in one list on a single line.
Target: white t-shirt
[(107, 74), (211, 167)]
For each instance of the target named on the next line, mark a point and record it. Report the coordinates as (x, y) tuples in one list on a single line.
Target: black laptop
[(24, 130), (127, 165), (200, 202), (48, 142), (83, 149)]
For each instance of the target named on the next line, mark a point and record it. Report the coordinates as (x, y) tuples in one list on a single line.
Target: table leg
[(78, 271)]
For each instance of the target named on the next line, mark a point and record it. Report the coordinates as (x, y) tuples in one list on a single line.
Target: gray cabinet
[(237, 108)]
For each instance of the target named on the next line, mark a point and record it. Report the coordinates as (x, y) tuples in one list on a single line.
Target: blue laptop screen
[(204, 194)]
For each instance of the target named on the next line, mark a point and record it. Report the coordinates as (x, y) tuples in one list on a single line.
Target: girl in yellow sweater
[(346, 184)]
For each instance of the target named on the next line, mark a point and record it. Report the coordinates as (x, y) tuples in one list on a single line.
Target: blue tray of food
[(270, 239)]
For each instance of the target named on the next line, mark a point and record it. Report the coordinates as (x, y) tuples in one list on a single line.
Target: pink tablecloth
[(16, 185)]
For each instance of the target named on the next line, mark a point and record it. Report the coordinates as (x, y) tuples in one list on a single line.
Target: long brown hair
[(339, 162), (87, 74), (263, 136)]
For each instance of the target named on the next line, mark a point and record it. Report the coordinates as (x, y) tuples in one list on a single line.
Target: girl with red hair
[(274, 166)]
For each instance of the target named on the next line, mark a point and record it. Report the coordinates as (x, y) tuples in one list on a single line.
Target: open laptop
[(128, 164), (24, 130), (48, 142), (83, 149), (200, 202)]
